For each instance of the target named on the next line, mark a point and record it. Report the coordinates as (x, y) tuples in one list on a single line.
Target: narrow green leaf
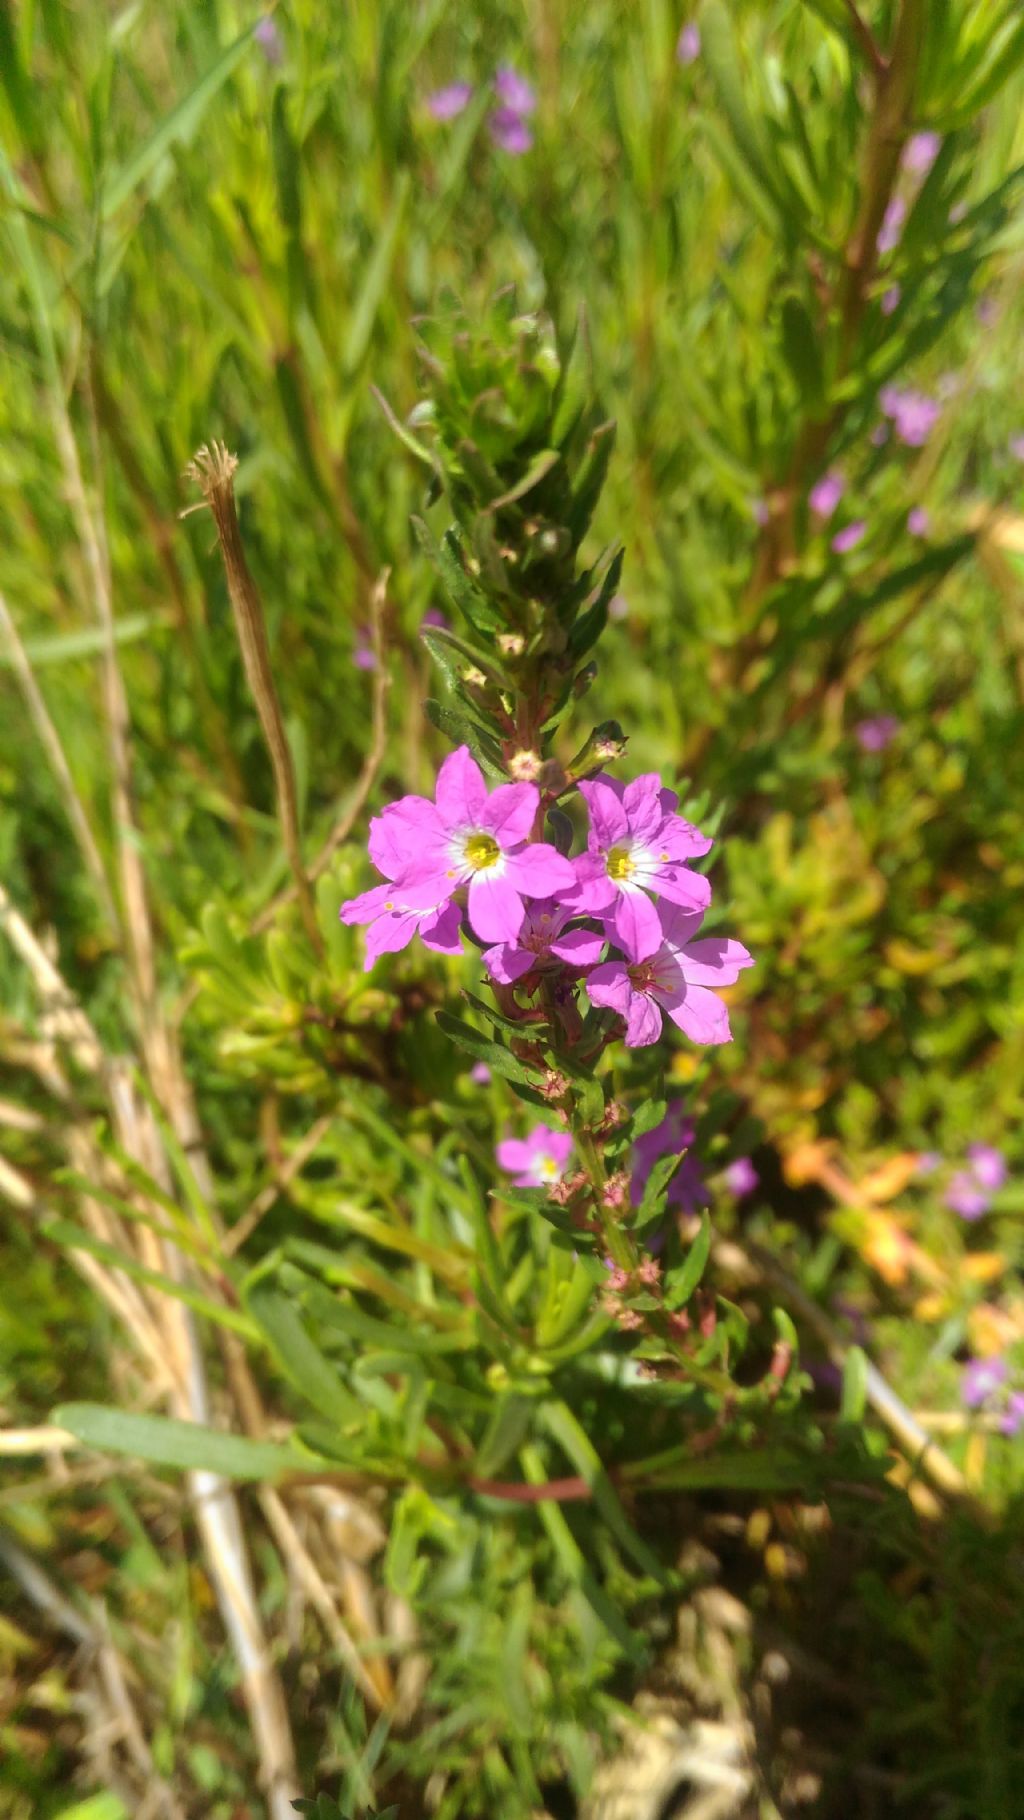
[(375, 281), (682, 1282), (494, 1054), (188, 1446), (301, 1360)]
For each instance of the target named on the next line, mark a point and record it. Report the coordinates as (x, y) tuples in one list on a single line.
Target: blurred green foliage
[(211, 233)]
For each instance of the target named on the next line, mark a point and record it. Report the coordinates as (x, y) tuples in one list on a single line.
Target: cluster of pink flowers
[(509, 122), (469, 858), (985, 1385)]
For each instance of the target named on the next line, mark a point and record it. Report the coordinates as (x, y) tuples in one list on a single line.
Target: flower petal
[(593, 890), (643, 1021), (680, 840), (443, 931), (681, 886), (610, 985), (461, 792), (368, 904), (539, 870), (514, 1153), (636, 923), (608, 821), (506, 963), (409, 826), (509, 812), (700, 1015), (495, 907), (679, 926), (580, 947), (715, 961), (388, 934), (641, 801)]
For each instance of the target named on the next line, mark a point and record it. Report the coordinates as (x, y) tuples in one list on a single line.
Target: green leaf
[(188, 1446), (494, 1054), (375, 280), (459, 586), (854, 1393), (74, 1238), (299, 1357), (681, 1283), (800, 347), (647, 1116), (652, 1206), (540, 466), (462, 731), (181, 123), (564, 1428)]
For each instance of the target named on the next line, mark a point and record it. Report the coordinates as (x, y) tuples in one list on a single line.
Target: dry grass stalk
[(213, 470)]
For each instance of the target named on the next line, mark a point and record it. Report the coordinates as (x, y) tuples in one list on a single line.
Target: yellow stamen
[(619, 863), (481, 852)]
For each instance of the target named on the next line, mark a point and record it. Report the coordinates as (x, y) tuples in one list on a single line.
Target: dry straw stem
[(213, 469)]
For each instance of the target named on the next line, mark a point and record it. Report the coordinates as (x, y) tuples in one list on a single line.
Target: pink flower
[(363, 655), (480, 1074), (981, 1379), (268, 37), (920, 152), (513, 90), (1013, 1414), (826, 493), (741, 1177), (760, 511), (673, 974), (892, 225), (913, 414), (468, 838), (918, 521), (849, 536), (543, 938), (510, 132), (1016, 447), (393, 924), (637, 843), (688, 44), (446, 103), (875, 734), (966, 1196), (536, 1161), (675, 1133), (891, 299), (987, 1165)]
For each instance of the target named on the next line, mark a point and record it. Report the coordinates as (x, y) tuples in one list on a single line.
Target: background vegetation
[(242, 1184)]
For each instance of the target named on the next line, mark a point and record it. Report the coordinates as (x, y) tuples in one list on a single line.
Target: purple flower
[(891, 299), (393, 923), (637, 843), (918, 521), (826, 493), (912, 413), (536, 1161), (892, 225), (920, 152), (466, 838), (1016, 446), (513, 91), (618, 607), (928, 1162), (675, 1133), (446, 103), (965, 1197), (688, 44), (510, 132), (980, 1380), (434, 617), (268, 37), (874, 735), (1013, 1414), (673, 974), (760, 511), (849, 536), (480, 1074), (741, 1177), (987, 1165), (542, 937), (363, 654)]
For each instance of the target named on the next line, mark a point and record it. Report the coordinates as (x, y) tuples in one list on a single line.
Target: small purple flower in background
[(468, 837), (980, 1380), (618, 607), (987, 1165), (966, 1197), (434, 617), (892, 225), (536, 1161), (688, 44), (875, 734), (510, 132), (928, 1162), (913, 414), (1016, 446), (480, 1074), (674, 974), (1013, 1414), (509, 123), (448, 102), (542, 935), (637, 843), (676, 1132), (918, 521), (760, 511), (513, 90), (987, 311), (741, 1177), (891, 299), (849, 536), (920, 152), (363, 654), (270, 41), (826, 493)]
